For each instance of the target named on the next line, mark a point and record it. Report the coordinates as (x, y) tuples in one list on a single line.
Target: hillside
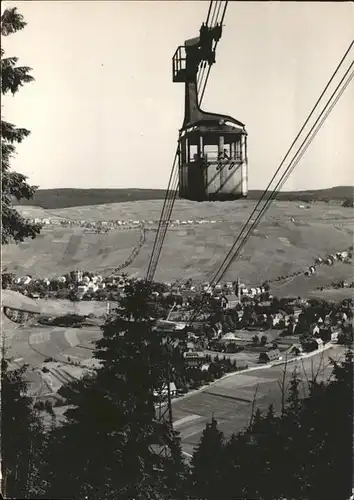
[(288, 240), (67, 197)]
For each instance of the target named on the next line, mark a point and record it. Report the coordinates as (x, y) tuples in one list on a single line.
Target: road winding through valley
[(230, 400)]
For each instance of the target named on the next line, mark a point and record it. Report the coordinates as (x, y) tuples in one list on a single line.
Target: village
[(237, 326), (177, 265), (88, 285), (107, 225)]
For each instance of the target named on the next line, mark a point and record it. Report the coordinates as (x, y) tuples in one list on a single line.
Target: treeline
[(305, 453), (108, 446), (67, 197), (336, 193)]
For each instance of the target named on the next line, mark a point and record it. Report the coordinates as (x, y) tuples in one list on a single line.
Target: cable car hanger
[(171, 192)]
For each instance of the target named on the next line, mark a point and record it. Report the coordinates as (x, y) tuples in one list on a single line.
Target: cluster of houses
[(88, 225), (258, 322), (338, 284), (264, 331), (230, 292), (98, 226), (85, 283), (78, 281)]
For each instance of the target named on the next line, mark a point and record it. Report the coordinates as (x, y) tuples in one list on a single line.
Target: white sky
[(104, 112)]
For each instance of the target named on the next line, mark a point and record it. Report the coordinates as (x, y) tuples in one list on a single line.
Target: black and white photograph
[(177, 283)]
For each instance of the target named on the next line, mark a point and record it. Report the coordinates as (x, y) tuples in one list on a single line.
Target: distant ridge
[(68, 197)]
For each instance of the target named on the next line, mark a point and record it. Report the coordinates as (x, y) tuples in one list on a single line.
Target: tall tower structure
[(163, 405), (238, 289)]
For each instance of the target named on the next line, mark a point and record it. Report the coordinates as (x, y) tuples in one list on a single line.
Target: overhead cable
[(230, 256), (172, 190), (234, 252), (283, 179), (213, 23), (165, 216), (203, 86), (210, 6)]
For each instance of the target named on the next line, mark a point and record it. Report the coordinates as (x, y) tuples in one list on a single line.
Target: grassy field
[(333, 294), (288, 239), (306, 287), (230, 400), (51, 307), (34, 344), (151, 209), (58, 250)]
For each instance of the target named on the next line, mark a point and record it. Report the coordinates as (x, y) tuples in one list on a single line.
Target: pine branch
[(15, 227), (13, 77), (12, 134), (14, 184), (7, 152), (11, 21)]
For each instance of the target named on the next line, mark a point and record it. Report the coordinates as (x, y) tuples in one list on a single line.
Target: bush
[(69, 320), (309, 345), (345, 338), (48, 406), (349, 202), (39, 405), (59, 402)]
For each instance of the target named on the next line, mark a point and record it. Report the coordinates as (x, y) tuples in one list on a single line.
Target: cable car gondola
[(212, 156)]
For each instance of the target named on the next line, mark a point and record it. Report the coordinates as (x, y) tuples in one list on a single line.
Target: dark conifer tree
[(328, 433), (207, 464), (14, 186), (305, 453), (107, 448), (22, 436)]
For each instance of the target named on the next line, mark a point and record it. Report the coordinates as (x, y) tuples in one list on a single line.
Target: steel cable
[(210, 6), (213, 23), (172, 189), (296, 158), (217, 276), (214, 49)]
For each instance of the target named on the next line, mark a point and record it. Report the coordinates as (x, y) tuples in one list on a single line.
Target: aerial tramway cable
[(171, 193), (214, 22), (214, 17), (219, 274), (165, 217), (201, 96), (234, 252), (209, 10), (172, 188)]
